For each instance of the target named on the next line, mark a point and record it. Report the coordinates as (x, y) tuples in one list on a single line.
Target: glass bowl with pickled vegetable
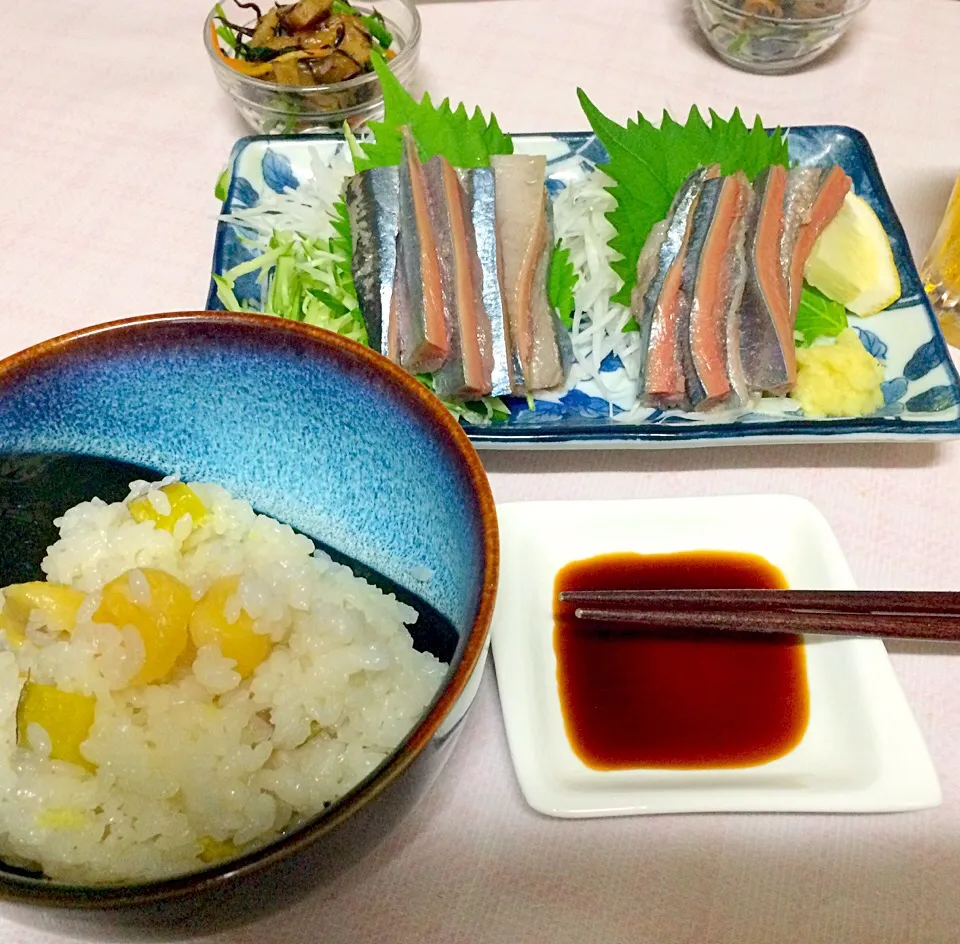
[(308, 66), (771, 36)]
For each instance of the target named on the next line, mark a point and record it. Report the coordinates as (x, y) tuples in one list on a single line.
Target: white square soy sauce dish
[(862, 750)]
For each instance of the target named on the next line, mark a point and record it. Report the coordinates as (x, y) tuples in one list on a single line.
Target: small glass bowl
[(765, 42), (271, 108)]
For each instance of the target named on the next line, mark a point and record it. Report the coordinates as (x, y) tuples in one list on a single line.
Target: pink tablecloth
[(114, 133)]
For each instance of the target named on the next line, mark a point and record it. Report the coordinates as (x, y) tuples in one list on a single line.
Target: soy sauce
[(665, 699)]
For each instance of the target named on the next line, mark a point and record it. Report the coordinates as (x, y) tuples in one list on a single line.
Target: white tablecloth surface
[(113, 134)]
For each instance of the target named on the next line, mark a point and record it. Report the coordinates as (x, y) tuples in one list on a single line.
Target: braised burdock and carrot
[(308, 43)]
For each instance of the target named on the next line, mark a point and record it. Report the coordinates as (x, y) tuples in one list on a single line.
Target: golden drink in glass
[(941, 270)]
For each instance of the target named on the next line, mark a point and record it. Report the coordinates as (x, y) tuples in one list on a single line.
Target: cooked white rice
[(205, 757)]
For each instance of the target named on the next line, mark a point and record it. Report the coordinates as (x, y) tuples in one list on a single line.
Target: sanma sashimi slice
[(799, 194), (766, 329), (657, 255), (478, 185), (737, 277), (711, 282), (424, 342), (648, 270), (467, 371), (399, 324), (662, 379), (373, 202), (552, 354), (522, 228), (805, 221)]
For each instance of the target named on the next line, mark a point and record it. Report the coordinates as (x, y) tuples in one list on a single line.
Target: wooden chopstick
[(830, 601), (886, 614)]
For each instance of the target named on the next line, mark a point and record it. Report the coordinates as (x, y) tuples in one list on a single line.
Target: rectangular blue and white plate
[(921, 389)]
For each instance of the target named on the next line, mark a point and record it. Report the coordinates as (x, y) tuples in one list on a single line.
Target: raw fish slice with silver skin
[(647, 269), (813, 198), (658, 254), (736, 285), (424, 342), (662, 381), (710, 281), (400, 315), (373, 203), (564, 344), (562, 336), (546, 369), (512, 239), (480, 200), (690, 308), (471, 258), (767, 350), (647, 262), (801, 190), (468, 368), (524, 245)]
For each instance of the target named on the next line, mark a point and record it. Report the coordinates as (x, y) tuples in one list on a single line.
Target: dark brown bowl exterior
[(284, 871)]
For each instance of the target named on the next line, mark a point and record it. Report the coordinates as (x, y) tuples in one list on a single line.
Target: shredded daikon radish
[(579, 213), (307, 211)]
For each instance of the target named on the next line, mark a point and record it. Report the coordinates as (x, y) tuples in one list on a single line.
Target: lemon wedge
[(852, 261)]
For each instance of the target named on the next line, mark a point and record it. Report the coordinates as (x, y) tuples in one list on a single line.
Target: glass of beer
[(941, 270)]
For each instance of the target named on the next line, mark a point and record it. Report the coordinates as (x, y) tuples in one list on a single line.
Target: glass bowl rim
[(854, 7)]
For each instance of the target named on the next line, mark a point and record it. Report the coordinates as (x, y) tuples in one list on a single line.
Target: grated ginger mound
[(840, 379)]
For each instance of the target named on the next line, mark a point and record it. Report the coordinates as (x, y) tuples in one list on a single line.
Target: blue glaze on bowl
[(306, 430), (318, 432)]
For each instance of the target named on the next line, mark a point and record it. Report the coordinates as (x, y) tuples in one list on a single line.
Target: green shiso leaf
[(648, 165), (561, 281), (818, 317), (464, 140)]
